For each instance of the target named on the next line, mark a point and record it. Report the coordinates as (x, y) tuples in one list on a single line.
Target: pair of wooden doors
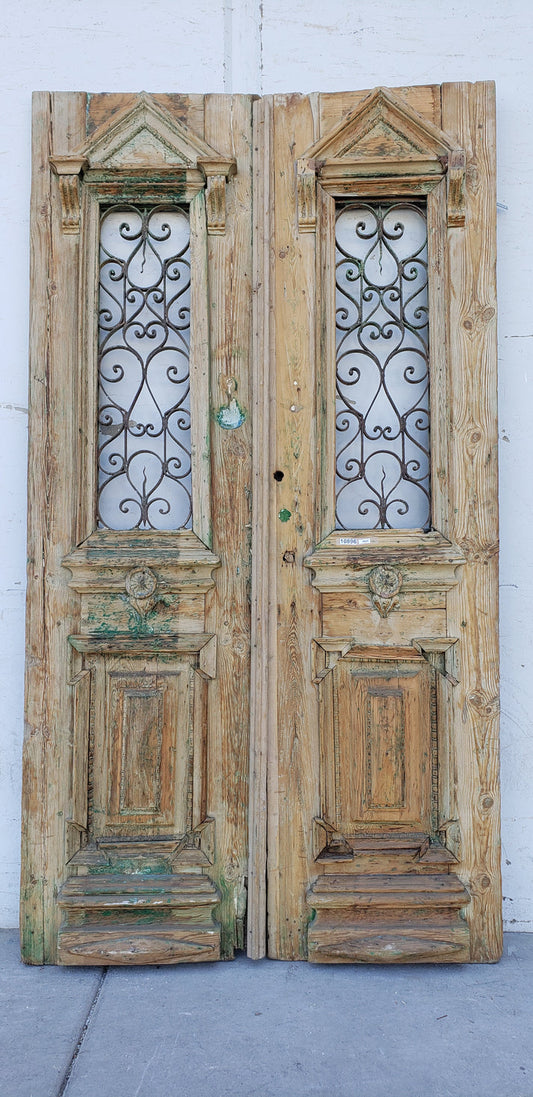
[(262, 679)]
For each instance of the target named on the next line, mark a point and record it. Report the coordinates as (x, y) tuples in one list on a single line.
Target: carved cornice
[(145, 146), (178, 560), (381, 137), (345, 560)]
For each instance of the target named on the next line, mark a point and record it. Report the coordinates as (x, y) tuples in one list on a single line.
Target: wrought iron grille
[(144, 420), (382, 367)]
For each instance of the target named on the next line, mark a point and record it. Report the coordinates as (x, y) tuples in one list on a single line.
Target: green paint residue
[(230, 416), (284, 515)]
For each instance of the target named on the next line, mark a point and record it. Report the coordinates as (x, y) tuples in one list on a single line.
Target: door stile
[(228, 612), (59, 124), (263, 615), (468, 111), (294, 749)]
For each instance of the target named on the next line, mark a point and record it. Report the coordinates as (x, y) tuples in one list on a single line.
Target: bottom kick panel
[(388, 919), (138, 919)]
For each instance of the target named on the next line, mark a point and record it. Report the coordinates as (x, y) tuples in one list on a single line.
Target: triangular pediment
[(382, 128), (147, 135)]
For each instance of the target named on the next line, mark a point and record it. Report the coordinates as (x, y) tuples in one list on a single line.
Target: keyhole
[(278, 475)]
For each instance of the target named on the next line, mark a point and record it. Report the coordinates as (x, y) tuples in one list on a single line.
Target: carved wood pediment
[(146, 142), (147, 135), (382, 138)]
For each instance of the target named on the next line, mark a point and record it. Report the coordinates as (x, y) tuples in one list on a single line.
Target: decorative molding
[(456, 188), (435, 649), (146, 144), (381, 137), (68, 170), (344, 560), (170, 918), (329, 844), (388, 918), (333, 650), (207, 659), (306, 189), (216, 173), (196, 847), (132, 643), (102, 562), (141, 585), (385, 583)]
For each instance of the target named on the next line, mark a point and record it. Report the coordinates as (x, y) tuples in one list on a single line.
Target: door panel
[(142, 650), (375, 848)]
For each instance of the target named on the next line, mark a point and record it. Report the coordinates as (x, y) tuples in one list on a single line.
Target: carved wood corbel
[(456, 188), (306, 183), (68, 169), (435, 650), (216, 172)]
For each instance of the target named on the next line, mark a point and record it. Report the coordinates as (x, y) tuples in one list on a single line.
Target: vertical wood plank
[(230, 312), (59, 125), (33, 807), (439, 425), (468, 112), (262, 705), (295, 801)]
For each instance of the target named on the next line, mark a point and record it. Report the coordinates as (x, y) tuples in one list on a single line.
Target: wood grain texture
[(468, 112), (294, 799), (263, 613), (228, 613), (424, 99), (383, 918), (59, 125)]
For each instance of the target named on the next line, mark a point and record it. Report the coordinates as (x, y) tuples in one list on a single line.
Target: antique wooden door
[(136, 763), (379, 578), (262, 673)]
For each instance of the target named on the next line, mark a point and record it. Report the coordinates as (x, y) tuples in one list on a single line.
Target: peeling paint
[(230, 416)]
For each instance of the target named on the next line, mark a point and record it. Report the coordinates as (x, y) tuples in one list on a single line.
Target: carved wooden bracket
[(332, 649), (456, 188), (68, 170), (382, 141), (329, 844), (216, 173), (306, 174), (435, 649)]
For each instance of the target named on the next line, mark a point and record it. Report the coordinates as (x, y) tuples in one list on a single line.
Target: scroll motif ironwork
[(144, 419), (382, 367)]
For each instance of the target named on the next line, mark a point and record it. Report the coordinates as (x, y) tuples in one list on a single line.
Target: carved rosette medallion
[(141, 585), (385, 583)]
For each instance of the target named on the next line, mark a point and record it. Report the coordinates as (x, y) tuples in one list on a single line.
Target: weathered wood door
[(136, 760), (304, 660), (380, 574)]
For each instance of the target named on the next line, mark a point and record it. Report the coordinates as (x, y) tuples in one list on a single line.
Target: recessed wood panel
[(385, 748), (141, 732), (378, 744), (148, 741)]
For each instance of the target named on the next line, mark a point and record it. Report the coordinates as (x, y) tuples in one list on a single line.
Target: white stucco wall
[(280, 45)]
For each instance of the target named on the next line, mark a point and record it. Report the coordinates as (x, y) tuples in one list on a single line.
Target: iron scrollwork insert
[(382, 366), (144, 417)]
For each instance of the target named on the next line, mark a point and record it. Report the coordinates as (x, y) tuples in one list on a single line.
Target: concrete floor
[(268, 1029)]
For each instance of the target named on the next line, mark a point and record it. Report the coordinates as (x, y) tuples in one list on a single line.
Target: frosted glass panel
[(382, 398), (144, 421)]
